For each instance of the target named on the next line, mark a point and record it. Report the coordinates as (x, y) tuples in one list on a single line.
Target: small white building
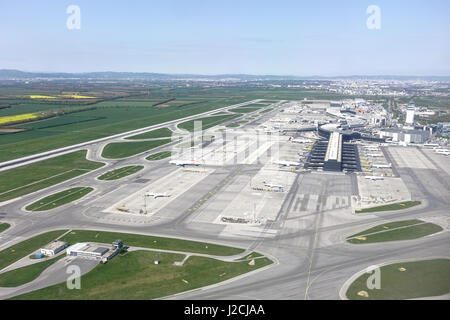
[(53, 248)]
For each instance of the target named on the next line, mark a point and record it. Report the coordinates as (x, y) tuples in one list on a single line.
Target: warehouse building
[(53, 248)]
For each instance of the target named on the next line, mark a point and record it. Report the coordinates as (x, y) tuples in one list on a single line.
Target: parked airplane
[(183, 163), (156, 195), (373, 178), (389, 165)]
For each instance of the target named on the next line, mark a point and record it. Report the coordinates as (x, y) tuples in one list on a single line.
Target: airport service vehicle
[(271, 185), (183, 163), (375, 155), (299, 140), (285, 163), (156, 195), (373, 178), (389, 165)]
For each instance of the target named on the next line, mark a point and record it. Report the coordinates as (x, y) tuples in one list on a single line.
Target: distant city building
[(443, 129)]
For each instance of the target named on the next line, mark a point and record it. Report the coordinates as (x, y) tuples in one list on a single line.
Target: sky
[(283, 37)]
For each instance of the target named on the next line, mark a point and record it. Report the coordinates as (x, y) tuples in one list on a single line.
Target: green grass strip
[(117, 150), (406, 280), (389, 207), (120, 173), (20, 276), (59, 199), (159, 156)]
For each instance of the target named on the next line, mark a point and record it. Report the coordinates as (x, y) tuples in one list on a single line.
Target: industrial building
[(53, 248), (405, 135), (94, 251)]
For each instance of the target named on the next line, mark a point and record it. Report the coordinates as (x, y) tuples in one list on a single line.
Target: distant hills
[(9, 74)]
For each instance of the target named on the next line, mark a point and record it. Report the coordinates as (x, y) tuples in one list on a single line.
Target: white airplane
[(440, 150), (445, 153), (373, 178), (374, 154), (296, 140), (183, 163), (270, 185), (156, 195), (389, 165), (285, 163)]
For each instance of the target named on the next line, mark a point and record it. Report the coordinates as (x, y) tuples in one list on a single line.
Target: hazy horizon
[(287, 38)]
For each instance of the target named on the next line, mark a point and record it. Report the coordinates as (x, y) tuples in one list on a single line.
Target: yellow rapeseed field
[(74, 96), (19, 117), (41, 97)]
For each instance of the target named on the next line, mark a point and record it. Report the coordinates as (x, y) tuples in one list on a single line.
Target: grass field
[(39, 175), (117, 150), (135, 276), (25, 248), (120, 173), (244, 109), (389, 207), (159, 155), (4, 226), (109, 120), (158, 133), (406, 280), (58, 199), (150, 242), (207, 122), (20, 276), (394, 231)]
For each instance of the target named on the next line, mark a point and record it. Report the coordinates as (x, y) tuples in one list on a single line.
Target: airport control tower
[(410, 114)]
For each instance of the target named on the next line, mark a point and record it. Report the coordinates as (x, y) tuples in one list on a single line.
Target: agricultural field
[(395, 231), (19, 181), (59, 199), (120, 173), (113, 109), (158, 133), (117, 150), (93, 124)]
